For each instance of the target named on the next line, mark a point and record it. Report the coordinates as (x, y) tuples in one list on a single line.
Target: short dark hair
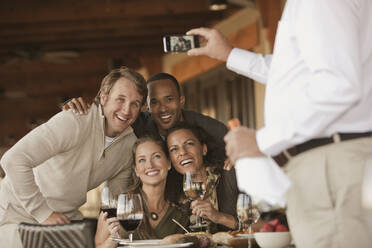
[(163, 75)]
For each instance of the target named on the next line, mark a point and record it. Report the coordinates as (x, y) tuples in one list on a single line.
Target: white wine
[(248, 215), (194, 190)]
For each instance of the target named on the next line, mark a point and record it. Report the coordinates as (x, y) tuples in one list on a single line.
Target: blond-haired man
[(50, 170)]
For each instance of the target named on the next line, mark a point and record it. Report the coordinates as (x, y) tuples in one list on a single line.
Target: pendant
[(154, 216)]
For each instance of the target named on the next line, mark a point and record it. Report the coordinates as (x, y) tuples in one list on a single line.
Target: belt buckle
[(287, 154)]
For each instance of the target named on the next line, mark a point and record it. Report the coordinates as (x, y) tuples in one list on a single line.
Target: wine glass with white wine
[(247, 213), (195, 189)]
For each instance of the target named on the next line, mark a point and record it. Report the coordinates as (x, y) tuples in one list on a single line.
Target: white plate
[(245, 235), (153, 243), (171, 245), (145, 242)]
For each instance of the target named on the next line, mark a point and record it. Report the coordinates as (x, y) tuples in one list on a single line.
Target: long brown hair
[(145, 230)]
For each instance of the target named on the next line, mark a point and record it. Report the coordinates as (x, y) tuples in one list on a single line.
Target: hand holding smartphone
[(180, 43)]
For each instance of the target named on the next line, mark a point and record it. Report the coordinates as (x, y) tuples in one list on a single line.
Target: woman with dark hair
[(191, 149), (151, 167)]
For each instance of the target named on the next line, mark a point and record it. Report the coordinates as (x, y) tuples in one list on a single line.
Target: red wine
[(111, 212), (131, 224)]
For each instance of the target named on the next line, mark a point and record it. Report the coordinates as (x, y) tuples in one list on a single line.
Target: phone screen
[(180, 43)]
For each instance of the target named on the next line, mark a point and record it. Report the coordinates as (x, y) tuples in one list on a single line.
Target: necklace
[(155, 216)]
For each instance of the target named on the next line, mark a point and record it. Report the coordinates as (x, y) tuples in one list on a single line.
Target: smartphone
[(180, 43)]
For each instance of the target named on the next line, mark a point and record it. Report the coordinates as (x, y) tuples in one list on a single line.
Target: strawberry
[(267, 228), (281, 228)]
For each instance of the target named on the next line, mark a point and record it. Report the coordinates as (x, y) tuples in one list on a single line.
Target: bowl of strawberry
[(273, 235)]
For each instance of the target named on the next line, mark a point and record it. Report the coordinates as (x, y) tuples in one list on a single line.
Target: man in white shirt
[(318, 118)]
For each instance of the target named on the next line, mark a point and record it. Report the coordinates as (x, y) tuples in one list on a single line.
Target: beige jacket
[(53, 167)]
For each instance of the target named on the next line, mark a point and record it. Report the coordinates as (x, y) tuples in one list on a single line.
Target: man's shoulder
[(67, 121), (199, 119), (93, 113)]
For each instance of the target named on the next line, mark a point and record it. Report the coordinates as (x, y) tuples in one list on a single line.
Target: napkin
[(262, 179)]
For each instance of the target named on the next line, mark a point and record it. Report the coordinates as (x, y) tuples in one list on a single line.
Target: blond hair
[(123, 72)]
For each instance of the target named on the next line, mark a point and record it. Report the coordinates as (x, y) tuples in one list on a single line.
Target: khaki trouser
[(324, 202)]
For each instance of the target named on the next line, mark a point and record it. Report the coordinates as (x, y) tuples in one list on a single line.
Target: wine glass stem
[(197, 221), (130, 237), (249, 238)]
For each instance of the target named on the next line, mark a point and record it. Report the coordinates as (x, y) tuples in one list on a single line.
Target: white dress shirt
[(319, 78)]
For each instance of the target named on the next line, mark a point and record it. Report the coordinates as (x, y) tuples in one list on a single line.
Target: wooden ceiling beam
[(42, 11), (96, 57), (150, 44), (39, 28), (128, 36), (52, 86), (36, 68), (29, 108), (90, 64)]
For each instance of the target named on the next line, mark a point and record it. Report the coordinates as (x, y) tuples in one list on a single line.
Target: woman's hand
[(204, 208), (114, 227), (106, 228)]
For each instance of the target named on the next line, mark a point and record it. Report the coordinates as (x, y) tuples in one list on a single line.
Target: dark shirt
[(165, 227), (227, 195), (145, 125)]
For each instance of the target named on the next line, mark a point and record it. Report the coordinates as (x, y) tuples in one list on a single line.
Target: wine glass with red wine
[(108, 202), (195, 188), (129, 212)]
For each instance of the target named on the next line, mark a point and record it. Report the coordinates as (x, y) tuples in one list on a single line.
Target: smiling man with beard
[(50, 170)]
